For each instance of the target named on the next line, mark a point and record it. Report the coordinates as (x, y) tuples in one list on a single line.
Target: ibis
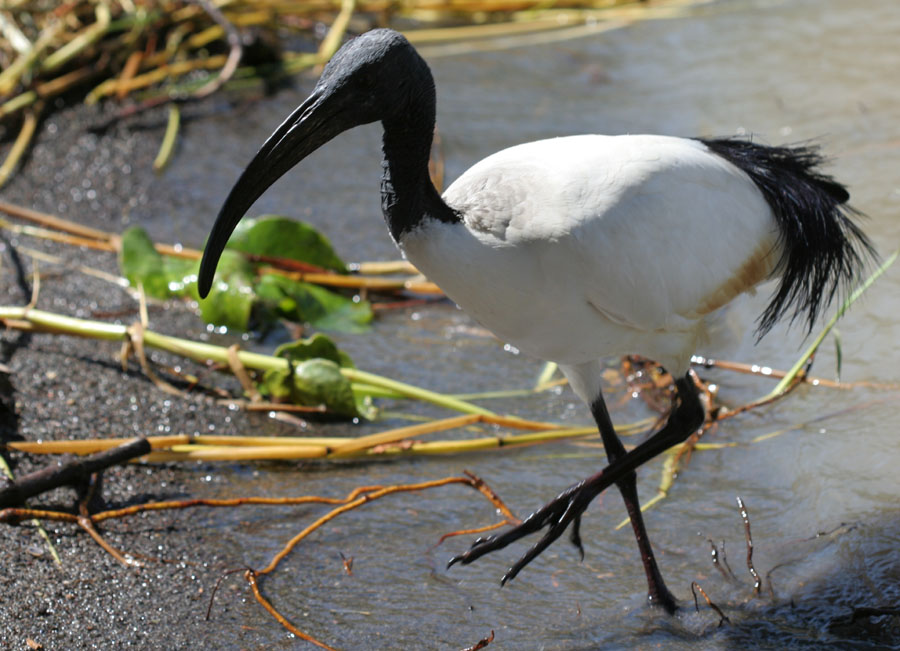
[(578, 248)]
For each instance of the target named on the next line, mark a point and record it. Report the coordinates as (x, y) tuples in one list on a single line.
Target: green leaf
[(319, 346), (279, 237), (141, 264), (161, 276), (231, 298), (236, 301), (314, 377), (312, 382), (282, 297)]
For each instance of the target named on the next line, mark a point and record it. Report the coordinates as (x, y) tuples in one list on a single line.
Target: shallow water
[(784, 71)]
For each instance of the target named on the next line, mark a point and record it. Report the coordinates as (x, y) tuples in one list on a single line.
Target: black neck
[(407, 195)]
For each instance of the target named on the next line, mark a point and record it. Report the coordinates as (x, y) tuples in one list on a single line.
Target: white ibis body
[(578, 248)]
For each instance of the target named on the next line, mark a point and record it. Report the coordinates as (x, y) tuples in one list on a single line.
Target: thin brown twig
[(85, 523), (274, 406), (16, 514), (757, 582), (229, 502), (212, 595), (471, 532), (479, 485), (367, 497), (359, 501), (251, 577), (722, 616), (777, 374), (482, 643), (714, 552), (52, 221)]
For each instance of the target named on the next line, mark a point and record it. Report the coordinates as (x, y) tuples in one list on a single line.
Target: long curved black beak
[(309, 127)]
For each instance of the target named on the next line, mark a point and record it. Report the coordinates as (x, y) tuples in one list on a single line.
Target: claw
[(555, 516)]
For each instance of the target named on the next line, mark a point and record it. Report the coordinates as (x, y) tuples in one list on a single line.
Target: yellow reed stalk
[(91, 446), (232, 453), (112, 86), (51, 221), (332, 40), (12, 74), (168, 142), (400, 434), (40, 320), (87, 37), (26, 133), (384, 268)]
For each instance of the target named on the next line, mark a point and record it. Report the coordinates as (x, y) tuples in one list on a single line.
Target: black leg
[(567, 508), (657, 592)]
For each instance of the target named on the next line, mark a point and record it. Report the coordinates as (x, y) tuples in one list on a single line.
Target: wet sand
[(64, 387)]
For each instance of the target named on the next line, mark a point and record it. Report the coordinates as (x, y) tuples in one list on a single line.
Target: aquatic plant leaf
[(161, 276), (141, 264), (280, 237), (237, 301), (312, 382), (231, 299), (318, 346), (282, 297)]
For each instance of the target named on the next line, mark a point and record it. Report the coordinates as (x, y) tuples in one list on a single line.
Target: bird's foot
[(556, 515)]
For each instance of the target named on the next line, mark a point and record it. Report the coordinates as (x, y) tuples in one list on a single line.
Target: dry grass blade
[(332, 40), (240, 372), (84, 39), (235, 50), (23, 63), (54, 222)]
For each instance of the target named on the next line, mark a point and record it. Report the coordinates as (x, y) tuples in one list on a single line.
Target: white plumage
[(563, 274)]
